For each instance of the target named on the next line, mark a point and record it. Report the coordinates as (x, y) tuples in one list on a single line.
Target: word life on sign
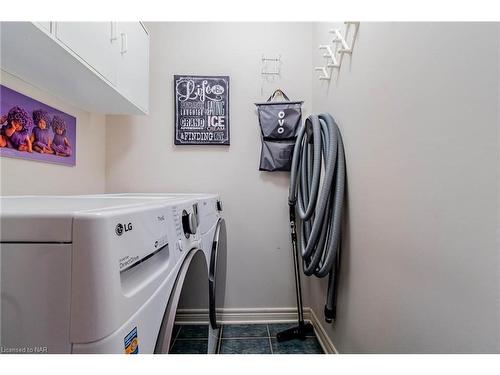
[(201, 110)]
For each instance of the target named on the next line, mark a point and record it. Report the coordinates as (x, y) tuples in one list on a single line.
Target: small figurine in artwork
[(60, 143), (5, 132), (16, 133), (40, 137)]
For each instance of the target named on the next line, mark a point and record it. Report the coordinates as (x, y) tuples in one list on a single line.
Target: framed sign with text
[(201, 110)]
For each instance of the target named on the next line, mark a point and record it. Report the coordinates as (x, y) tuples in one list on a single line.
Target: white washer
[(212, 231), (95, 274)]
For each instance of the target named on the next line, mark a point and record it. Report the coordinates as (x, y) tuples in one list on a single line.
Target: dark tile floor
[(241, 339)]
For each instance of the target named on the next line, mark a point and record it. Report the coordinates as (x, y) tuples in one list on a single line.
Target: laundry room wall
[(141, 156), (417, 105), (30, 177)]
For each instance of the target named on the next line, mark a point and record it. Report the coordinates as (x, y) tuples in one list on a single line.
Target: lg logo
[(121, 228), (281, 122)]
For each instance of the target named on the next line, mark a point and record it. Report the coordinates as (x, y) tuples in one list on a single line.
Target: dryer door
[(217, 272)]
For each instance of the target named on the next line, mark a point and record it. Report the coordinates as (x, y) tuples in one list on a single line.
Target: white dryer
[(94, 274), (213, 244)]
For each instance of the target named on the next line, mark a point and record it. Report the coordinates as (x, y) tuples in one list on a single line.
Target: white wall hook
[(339, 45), (355, 23), (340, 39), (270, 70), (323, 69), (330, 54), (265, 68)]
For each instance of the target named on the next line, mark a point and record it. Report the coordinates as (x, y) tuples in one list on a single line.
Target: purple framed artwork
[(32, 130)]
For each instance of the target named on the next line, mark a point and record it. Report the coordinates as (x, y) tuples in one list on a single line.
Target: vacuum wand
[(301, 331)]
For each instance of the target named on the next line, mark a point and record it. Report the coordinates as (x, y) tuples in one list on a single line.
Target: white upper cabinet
[(133, 64), (93, 43), (98, 66)]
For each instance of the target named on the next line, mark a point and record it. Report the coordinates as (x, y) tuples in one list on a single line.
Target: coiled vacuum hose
[(317, 192)]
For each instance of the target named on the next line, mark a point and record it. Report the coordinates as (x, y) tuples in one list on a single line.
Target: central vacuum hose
[(316, 193)]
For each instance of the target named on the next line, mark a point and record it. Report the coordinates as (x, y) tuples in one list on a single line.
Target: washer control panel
[(189, 223), (186, 226)]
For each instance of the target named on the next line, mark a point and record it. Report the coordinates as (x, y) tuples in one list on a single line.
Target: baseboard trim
[(321, 334), (258, 315), (239, 315)]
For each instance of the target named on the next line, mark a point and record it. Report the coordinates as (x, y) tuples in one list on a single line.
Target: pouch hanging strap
[(278, 91)]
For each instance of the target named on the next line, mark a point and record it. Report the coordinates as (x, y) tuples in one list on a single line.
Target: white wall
[(141, 155), (418, 108), (29, 177)]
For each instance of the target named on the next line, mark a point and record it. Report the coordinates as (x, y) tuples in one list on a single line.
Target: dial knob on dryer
[(189, 223)]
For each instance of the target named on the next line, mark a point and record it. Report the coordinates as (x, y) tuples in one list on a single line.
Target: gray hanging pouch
[(279, 122), (276, 155)]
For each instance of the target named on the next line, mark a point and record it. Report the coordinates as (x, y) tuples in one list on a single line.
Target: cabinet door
[(93, 42), (133, 66)]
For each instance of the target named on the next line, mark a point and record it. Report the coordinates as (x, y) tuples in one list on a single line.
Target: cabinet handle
[(113, 32), (124, 43)]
